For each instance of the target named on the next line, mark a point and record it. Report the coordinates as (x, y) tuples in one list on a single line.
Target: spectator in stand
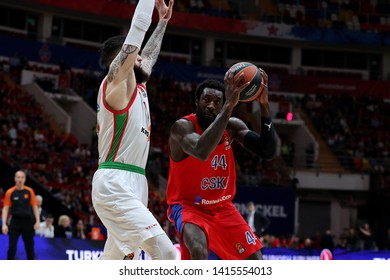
[(367, 237), (273, 241), (42, 212), (80, 230), (307, 243), (46, 228), (293, 242), (316, 239), (64, 228), (327, 241), (342, 242), (265, 240), (353, 239), (21, 204)]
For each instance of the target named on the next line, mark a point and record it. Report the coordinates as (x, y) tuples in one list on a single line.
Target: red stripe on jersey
[(107, 106)]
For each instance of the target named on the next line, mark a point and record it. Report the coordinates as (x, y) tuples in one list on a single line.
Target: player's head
[(209, 99), (110, 49)]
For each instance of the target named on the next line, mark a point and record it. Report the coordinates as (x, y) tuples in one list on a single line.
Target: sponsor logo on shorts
[(151, 226), (129, 256), (240, 249)]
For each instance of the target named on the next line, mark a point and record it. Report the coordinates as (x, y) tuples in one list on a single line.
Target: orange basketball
[(252, 74)]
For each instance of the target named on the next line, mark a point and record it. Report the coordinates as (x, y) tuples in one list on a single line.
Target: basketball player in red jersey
[(202, 175)]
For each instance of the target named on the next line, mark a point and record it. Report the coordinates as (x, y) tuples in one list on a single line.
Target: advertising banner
[(278, 204), (78, 249)]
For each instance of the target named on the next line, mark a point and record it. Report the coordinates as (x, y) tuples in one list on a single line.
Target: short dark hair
[(213, 84), (110, 48), (250, 203)]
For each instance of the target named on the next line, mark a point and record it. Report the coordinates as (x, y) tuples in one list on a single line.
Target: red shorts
[(228, 234)]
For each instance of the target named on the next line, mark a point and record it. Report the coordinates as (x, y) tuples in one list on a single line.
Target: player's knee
[(160, 248)]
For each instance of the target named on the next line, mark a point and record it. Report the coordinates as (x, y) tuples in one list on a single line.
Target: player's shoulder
[(182, 126), (235, 123), (183, 122)]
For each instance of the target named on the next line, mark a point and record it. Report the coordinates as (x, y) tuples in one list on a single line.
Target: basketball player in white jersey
[(119, 186)]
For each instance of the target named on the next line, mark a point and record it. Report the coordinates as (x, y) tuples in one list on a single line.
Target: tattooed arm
[(119, 63), (121, 81), (152, 48)]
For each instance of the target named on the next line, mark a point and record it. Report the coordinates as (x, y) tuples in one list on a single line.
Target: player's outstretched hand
[(233, 87), (164, 11)]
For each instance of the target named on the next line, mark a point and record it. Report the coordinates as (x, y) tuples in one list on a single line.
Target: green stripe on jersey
[(120, 125), (122, 166)]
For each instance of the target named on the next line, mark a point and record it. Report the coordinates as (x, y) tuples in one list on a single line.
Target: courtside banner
[(56, 248), (78, 249), (199, 270)]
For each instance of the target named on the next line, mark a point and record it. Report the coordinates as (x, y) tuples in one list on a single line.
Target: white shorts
[(120, 199)]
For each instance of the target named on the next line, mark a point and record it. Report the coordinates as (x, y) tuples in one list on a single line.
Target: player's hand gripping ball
[(253, 75)]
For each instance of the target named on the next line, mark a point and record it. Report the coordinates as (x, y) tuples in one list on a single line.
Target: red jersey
[(210, 183)]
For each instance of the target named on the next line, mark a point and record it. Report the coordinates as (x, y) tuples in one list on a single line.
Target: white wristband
[(140, 23)]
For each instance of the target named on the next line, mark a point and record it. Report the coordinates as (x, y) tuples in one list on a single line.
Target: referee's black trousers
[(24, 227)]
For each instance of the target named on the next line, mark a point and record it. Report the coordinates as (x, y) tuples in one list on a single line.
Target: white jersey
[(124, 136), (119, 186)]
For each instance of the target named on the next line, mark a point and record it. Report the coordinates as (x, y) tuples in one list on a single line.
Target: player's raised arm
[(152, 48), (214, 114), (121, 80), (263, 145)]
